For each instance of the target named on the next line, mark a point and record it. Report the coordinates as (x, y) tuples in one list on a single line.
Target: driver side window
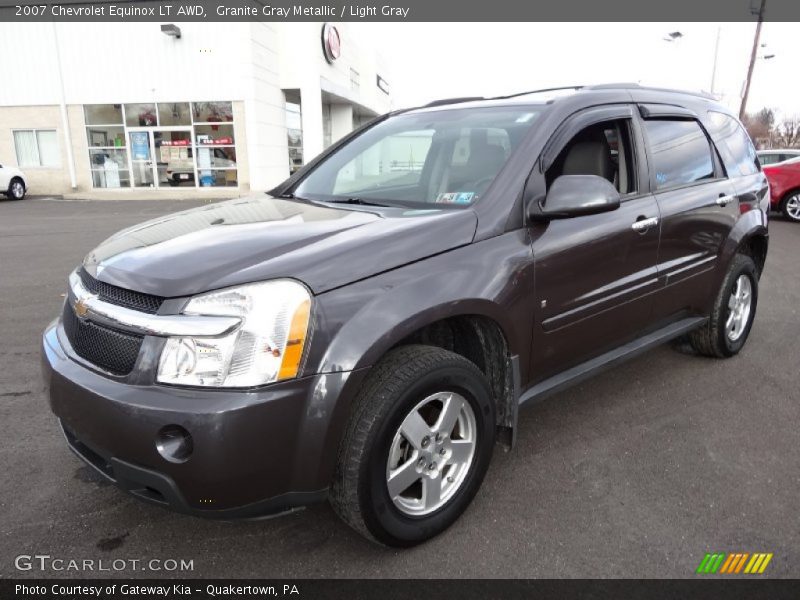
[(602, 149)]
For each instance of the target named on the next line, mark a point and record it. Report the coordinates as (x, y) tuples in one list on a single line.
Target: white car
[(773, 157), (12, 182)]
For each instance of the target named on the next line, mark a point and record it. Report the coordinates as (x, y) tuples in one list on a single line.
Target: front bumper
[(256, 452)]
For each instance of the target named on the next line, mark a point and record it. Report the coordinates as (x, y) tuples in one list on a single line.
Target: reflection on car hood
[(260, 238)]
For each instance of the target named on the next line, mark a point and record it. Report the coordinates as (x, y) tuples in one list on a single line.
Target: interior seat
[(590, 156), (485, 160)]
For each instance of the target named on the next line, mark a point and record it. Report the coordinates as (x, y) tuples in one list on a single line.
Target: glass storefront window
[(327, 126), (174, 158), (103, 114), (99, 157), (294, 133), (141, 115), (174, 113), (105, 137), (218, 178), (214, 135), (212, 112), (184, 144), (108, 178)]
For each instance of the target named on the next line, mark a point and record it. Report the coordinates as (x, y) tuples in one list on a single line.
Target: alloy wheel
[(793, 207), (739, 306), (431, 453)]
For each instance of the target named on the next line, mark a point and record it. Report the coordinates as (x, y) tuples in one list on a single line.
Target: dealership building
[(166, 110)]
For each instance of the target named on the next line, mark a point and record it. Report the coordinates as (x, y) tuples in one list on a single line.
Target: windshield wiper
[(359, 201)]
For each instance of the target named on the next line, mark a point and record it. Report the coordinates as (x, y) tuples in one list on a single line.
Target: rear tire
[(16, 189), (790, 207), (423, 426), (734, 310)]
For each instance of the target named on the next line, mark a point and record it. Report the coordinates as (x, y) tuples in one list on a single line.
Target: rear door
[(697, 203)]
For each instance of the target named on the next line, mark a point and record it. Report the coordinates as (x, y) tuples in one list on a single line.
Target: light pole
[(743, 106)]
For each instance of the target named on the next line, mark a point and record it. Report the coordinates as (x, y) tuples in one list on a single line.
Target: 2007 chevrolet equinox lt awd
[(367, 331)]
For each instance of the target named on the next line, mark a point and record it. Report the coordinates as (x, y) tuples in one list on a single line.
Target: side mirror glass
[(578, 195)]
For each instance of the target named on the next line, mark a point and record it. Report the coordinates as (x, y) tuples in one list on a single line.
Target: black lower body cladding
[(250, 453)]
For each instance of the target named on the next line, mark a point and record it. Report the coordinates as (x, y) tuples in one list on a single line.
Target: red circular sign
[(331, 42)]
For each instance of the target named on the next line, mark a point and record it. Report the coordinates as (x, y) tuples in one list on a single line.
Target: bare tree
[(759, 125), (787, 134)]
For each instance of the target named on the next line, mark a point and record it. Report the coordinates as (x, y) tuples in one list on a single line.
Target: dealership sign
[(331, 43)]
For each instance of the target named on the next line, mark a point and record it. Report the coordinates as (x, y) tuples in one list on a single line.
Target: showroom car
[(366, 334)]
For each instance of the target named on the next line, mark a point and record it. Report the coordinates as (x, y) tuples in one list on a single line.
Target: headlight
[(267, 347)]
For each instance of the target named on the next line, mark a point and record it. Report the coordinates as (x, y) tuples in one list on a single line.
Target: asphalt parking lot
[(636, 473)]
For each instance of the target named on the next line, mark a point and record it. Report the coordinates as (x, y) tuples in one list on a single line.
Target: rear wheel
[(791, 207), (417, 448), (734, 310), (16, 189)]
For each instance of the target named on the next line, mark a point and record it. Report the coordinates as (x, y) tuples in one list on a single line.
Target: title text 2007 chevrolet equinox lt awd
[(367, 331)]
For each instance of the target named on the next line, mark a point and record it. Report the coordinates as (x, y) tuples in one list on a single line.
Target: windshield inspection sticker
[(455, 198)]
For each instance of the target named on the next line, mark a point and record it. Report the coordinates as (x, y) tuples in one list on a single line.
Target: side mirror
[(578, 195)]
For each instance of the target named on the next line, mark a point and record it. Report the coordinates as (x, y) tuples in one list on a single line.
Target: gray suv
[(368, 330)]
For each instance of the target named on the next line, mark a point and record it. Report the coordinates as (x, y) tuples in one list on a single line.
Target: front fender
[(358, 324)]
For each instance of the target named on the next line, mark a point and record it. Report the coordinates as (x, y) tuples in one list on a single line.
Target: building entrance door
[(162, 157), (142, 154)]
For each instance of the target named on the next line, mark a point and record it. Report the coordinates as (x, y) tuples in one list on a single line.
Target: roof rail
[(613, 86), (623, 86), (444, 101), (552, 89)]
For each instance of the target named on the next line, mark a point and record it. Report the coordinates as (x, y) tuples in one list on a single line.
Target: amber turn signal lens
[(293, 353)]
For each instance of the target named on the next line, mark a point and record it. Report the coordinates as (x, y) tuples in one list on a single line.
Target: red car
[(784, 186)]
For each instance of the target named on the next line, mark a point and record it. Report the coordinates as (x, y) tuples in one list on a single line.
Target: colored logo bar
[(734, 563)]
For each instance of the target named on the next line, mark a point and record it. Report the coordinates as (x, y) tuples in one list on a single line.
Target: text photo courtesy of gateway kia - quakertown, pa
[(353, 300)]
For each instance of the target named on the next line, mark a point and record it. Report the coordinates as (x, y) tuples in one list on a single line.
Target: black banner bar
[(403, 589), (397, 10)]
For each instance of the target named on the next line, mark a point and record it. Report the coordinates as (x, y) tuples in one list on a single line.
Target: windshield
[(445, 157)]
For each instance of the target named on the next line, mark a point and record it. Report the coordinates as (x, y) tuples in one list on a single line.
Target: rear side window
[(680, 151), (734, 144)]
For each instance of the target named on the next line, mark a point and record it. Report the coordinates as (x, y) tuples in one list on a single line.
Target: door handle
[(643, 225), (725, 200)]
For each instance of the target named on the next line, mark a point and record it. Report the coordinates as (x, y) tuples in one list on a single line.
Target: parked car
[(12, 182), (771, 157), (366, 335), (784, 184)]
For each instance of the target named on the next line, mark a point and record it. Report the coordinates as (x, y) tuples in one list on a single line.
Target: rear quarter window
[(734, 145)]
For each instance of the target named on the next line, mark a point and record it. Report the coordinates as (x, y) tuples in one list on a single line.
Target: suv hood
[(259, 238)]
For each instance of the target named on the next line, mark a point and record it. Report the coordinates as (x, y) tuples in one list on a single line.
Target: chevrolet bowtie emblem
[(81, 307)]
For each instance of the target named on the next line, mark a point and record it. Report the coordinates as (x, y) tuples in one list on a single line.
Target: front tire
[(417, 447), (16, 189), (790, 207), (734, 310)]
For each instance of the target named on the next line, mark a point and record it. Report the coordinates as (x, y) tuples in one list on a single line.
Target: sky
[(441, 60)]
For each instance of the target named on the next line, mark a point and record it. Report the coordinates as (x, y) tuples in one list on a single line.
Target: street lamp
[(673, 36)]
